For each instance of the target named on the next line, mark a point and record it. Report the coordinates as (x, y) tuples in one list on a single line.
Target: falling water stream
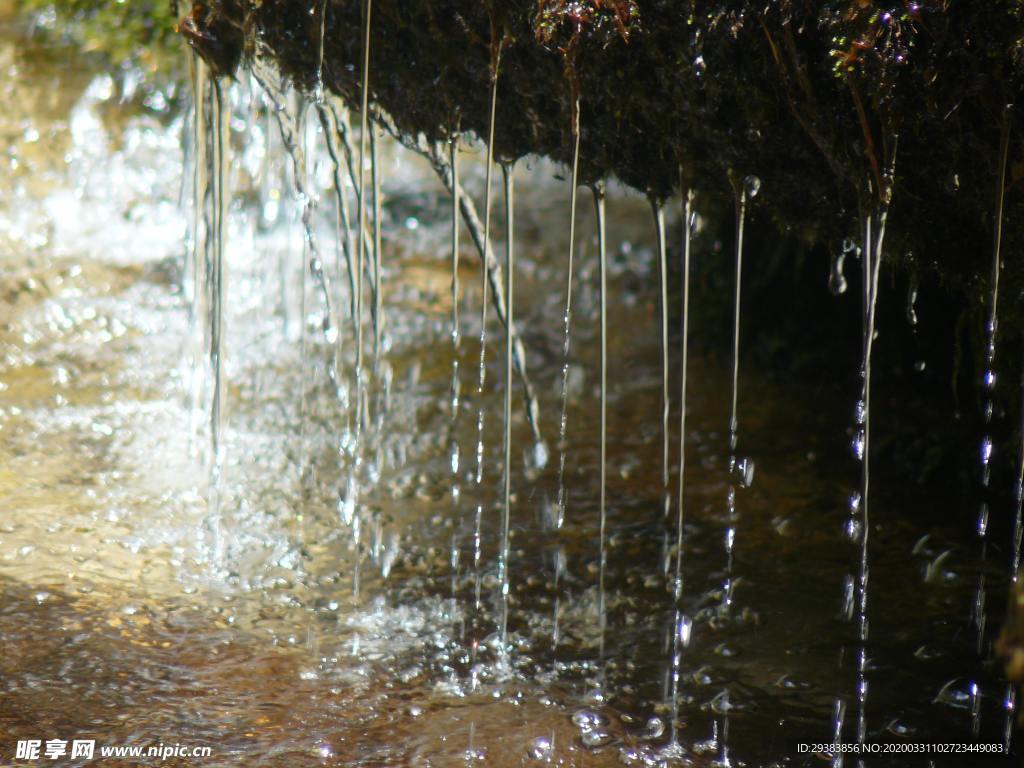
[(482, 377), (602, 266), (385, 605), (563, 416), (681, 624)]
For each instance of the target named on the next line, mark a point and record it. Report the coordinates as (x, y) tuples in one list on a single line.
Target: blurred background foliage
[(141, 33)]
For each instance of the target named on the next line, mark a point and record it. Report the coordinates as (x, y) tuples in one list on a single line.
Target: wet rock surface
[(835, 106)]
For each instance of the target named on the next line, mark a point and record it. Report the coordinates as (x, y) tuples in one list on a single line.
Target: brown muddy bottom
[(291, 619)]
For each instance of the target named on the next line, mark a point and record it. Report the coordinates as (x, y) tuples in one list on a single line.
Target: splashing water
[(406, 649)]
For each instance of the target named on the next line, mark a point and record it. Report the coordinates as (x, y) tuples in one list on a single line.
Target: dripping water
[(682, 625), (378, 311), (988, 384), (361, 232), (329, 122), (912, 289), (349, 506), (659, 222), (749, 188), (567, 316), (740, 470), (319, 12), (508, 172), (563, 421), (454, 451), (836, 279), (872, 264), (1018, 521), (482, 376), (221, 120), (602, 256), (292, 131), (200, 243), (1010, 695), (874, 236), (454, 392)]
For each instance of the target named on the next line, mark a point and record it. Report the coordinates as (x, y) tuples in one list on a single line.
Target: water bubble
[(541, 748), (654, 728), (594, 739), (586, 719)]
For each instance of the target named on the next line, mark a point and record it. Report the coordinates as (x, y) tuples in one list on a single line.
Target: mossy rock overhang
[(808, 96)]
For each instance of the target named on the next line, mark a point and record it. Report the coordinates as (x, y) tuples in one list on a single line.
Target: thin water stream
[(364, 612)]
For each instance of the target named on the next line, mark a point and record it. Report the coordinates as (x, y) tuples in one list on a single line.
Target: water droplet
[(752, 185), (836, 279), (853, 502), (586, 719), (858, 445), (654, 728), (684, 630), (848, 590)]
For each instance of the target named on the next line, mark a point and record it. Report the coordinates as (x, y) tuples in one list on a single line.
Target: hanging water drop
[(836, 278), (751, 185)]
